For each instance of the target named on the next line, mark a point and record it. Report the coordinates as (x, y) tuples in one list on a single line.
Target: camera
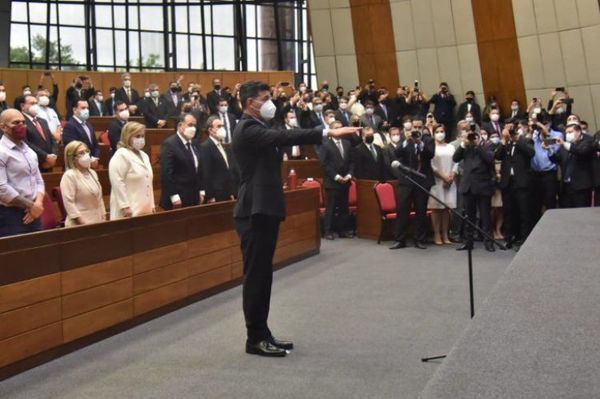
[(560, 89), (415, 134), (567, 101), (472, 136), (549, 141)]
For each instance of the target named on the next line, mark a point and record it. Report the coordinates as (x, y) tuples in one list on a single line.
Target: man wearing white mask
[(121, 114), (128, 94), (48, 113), (494, 125), (227, 118), (261, 206), (78, 128), (389, 151), (180, 167), (97, 106), (218, 171), (3, 103), (154, 108), (39, 136)]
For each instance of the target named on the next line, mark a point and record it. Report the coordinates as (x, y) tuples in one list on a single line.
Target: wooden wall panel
[(159, 297), (30, 343), (97, 320), (214, 242), (97, 297), (213, 260), (97, 274), (148, 260), (28, 292), (499, 55), (205, 281), (29, 318), (159, 277)]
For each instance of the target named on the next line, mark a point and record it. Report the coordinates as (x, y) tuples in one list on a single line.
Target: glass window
[(104, 44), (195, 19), (120, 48), (224, 53), (223, 21), (181, 19), (152, 50), (72, 46), (71, 14), (182, 52), (38, 13), (18, 12), (196, 57), (151, 18), (104, 17)]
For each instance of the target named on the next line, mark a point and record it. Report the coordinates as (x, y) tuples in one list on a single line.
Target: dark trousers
[(11, 222), (407, 198), (336, 203), (545, 190), (597, 196), (518, 217), (258, 237), (483, 204), (576, 198)]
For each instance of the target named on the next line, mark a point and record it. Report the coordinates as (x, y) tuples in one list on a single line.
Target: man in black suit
[(227, 118), (575, 157), (173, 100), (470, 106), (338, 170), (180, 168), (516, 112), (3, 103), (385, 108), (343, 113), (315, 118), (515, 152), (218, 169), (121, 113), (39, 136), (128, 94), (389, 152), (213, 97), (82, 88), (110, 102), (369, 118), (415, 152), (476, 183), (97, 106), (596, 168), (494, 125), (443, 110), (261, 206), (77, 128), (368, 158), (154, 109)]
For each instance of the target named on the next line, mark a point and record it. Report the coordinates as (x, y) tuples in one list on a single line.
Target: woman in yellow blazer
[(80, 188), (131, 175)]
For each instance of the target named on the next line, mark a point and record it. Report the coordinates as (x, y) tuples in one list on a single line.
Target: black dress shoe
[(464, 247), (329, 236), (489, 246), (420, 245), (343, 235), (398, 245), (283, 344), (265, 348)]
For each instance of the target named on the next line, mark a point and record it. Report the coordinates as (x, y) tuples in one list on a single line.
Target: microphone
[(406, 169)]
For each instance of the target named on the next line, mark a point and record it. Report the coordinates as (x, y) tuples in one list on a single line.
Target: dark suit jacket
[(519, 161), (418, 159), (232, 123), (114, 134), (256, 152), (220, 180), (444, 107), (365, 166), (178, 174), (390, 111), (109, 106), (389, 156), (596, 160), (121, 95), (74, 131), (578, 160), (72, 97), (310, 120), (478, 175), (152, 112), (475, 111), (372, 121), (339, 116), (95, 111), (41, 146), (333, 164), (172, 109), (489, 127), (212, 99)]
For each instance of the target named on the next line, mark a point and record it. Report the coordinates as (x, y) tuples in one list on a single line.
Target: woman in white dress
[(444, 170), (130, 173), (80, 188)]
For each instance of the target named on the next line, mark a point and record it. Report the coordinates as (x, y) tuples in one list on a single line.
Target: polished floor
[(361, 317)]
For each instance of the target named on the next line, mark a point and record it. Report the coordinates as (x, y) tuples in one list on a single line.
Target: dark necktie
[(373, 152), (339, 146)]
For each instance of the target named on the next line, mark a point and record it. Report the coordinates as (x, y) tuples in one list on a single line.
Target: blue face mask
[(84, 114)]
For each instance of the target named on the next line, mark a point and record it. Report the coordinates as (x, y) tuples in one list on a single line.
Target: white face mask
[(127, 83), (514, 107), (189, 132), (440, 136), (369, 111), (147, 94), (560, 110), (570, 137), (267, 110), (293, 122), (2, 96), (223, 109), (407, 126), (520, 131), (100, 98), (138, 143), (221, 133), (44, 101), (318, 107), (124, 115), (85, 160), (484, 137), (343, 106), (395, 138), (155, 94), (469, 119), (33, 110), (26, 92), (302, 89), (537, 110), (112, 95), (495, 140), (494, 117)]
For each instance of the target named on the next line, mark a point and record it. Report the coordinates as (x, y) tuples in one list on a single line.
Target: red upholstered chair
[(57, 196), (352, 198), (312, 183), (104, 138), (48, 218), (386, 199)]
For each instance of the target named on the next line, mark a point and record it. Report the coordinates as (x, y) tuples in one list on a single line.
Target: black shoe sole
[(255, 351)]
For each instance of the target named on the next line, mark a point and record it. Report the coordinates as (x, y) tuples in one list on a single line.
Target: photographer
[(477, 182), (444, 104), (516, 150), (81, 89), (416, 153), (559, 107)]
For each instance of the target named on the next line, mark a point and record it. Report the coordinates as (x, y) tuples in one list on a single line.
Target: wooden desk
[(368, 219), (101, 123), (66, 288), (303, 168)]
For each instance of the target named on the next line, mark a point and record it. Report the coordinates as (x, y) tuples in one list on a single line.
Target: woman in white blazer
[(130, 173), (80, 188)]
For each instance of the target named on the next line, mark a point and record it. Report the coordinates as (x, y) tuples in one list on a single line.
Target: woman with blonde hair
[(80, 188), (130, 173)]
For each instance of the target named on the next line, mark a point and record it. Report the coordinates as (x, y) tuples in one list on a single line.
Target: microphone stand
[(469, 242)]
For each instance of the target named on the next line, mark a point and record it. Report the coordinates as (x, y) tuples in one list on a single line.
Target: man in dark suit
[(494, 125), (180, 168), (77, 128), (110, 102), (596, 169), (369, 118), (389, 152), (368, 158), (515, 152), (173, 100), (315, 118), (3, 103), (121, 113), (213, 97), (385, 108), (261, 206), (443, 110), (82, 88), (470, 106), (97, 106), (218, 169), (227, 118), (39, 136), (416, 153), (338, 170), (154, 109), (343, 113), (575, 157), (476, 183), (128, 94), (516, 113)]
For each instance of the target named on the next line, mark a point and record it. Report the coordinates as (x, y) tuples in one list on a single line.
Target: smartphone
[(473, 127), (472, 136), (549, 141), (284, 84), (416, 84), (560, 89), (567, 101)]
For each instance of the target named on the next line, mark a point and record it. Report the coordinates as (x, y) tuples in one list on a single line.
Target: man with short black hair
[(121, 113)]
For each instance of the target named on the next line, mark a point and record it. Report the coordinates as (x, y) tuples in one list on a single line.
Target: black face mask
[(469, 99), (78, 85), (325, 87), (217, 87), (340, 93), (369, 139), (173, 89)]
